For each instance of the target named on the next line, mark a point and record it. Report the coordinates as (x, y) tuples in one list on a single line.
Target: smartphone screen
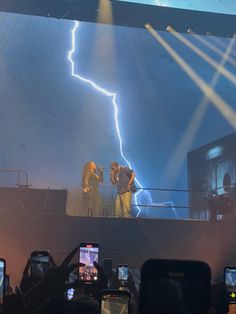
[(230, 282), (116, 302), (88, 254), (39, 263), (123, 273), (169, 286), (2, 280), (71, 293)]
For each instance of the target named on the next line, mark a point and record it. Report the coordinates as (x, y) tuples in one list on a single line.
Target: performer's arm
[(85, 183), (131, 180), (100, 174), (112, 177)]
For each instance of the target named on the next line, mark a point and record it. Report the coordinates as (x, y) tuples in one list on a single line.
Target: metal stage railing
[(19, 174), (146, 204), (150, 202), (181, 207)]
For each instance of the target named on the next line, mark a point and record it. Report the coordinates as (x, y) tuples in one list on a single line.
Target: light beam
[(230, 76), (176, 162), (211, 46), (219, 42), (224, 108)]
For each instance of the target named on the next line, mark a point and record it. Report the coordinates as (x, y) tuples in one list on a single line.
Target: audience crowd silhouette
[(49, 294)]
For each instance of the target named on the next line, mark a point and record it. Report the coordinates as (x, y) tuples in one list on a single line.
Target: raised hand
[(53, 283)]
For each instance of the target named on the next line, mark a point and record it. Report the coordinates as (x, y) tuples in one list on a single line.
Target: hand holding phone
[(230, 283), (2, 280), (123, 274), (39, 263), (88, 254)]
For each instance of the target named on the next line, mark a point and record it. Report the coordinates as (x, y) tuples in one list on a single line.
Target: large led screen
[(74, 92)]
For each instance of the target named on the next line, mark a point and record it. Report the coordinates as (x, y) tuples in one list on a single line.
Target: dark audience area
[(161, 286)]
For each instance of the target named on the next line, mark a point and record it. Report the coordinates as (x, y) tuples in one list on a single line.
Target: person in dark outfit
[(90, 186), (123, 178)]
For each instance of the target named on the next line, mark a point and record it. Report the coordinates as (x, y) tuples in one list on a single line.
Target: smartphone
[(230, 283), (107, 266), (175, 286), (39, 263), (2, 280), (122, 273), (71, 293), (88, 254), (115, 302)]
